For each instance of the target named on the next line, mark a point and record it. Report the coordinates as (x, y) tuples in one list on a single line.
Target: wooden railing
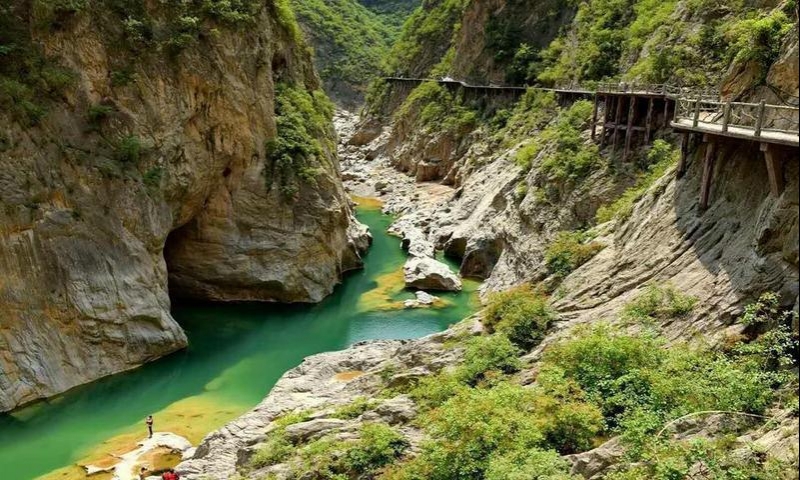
[(758, 117)]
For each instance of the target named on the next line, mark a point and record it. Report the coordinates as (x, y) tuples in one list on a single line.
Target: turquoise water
[(236, 354)]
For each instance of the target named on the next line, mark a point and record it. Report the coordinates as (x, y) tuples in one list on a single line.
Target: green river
[(236, 354)]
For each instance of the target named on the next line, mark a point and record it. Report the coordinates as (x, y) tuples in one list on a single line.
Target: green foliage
[(532, 464), (766, 310), (658, 303), (354, 409), (520, 313), (152, 178), (472, 427), (678, 459), (303, 123), (758, 39), (569, 251), (128, 149), (54, 13), (566, 155), (232, 12), (690, 42), (393, 13), (120, 78), (432, 106), (531, 112), (377, 446), (282, 9), (275, 449), (661, 157), (487, 357), (426, 37), (434, 390), (331, 459), (351, 41), (98, 113), (639, 386)]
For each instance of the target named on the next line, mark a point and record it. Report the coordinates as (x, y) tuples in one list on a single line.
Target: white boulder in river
[(427, 273)]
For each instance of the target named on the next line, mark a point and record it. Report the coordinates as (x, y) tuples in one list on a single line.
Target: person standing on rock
[(149, 422)]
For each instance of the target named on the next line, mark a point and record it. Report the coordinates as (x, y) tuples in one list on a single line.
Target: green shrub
[(98, 113), (303, 121), (569, 251), (434, 390), (486, 357), (531, 464), (354, 409), (567, 420), (328, 458), (152, 178), (758, 39), (661, 157), (19, 99), (567, 156), (597, 357), (473, 426), (129, 149), (120, 78), (432, 106), (658, 303), (531, 112), (232, 12), (521, 314), (275, 449), (377, 446)]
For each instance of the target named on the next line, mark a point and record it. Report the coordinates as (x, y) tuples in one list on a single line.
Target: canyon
[(218, 171)]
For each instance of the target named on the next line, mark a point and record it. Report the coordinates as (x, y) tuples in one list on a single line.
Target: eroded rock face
[(83, 279)]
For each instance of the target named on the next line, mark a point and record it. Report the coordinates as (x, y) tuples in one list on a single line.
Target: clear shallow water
[(236, 354)]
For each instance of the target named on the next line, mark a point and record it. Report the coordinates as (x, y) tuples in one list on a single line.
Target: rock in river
[(430, 274)]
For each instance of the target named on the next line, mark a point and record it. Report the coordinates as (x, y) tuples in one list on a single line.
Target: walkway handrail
[(756, 116), (662, 89)]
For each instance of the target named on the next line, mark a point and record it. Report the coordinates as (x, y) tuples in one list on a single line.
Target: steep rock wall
[(88, 203)]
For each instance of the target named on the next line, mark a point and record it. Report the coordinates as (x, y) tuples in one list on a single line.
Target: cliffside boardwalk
[(637, 110), (773, 127)]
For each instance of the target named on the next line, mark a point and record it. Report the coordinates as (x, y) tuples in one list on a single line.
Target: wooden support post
[(684, 155), (666, 112), (760, 118), (629, 127), (606, 106), (696, 112), (594, 118), (617, 119), (708, 172), (774, 170), (649, 121), (726, 116)]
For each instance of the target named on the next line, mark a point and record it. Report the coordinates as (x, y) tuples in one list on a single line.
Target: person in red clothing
[(170, 475)]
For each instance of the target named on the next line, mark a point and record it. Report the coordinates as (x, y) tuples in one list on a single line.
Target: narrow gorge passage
[(236, 354)]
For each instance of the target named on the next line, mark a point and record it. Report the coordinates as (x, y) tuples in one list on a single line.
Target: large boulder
[(429, 274)]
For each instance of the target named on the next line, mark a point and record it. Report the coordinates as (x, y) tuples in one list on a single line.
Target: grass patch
[(658, 303)]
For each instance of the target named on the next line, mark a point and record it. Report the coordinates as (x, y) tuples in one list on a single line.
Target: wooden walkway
[(640, 109)]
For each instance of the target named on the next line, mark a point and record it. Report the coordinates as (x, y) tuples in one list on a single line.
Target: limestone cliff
[(153, 165)]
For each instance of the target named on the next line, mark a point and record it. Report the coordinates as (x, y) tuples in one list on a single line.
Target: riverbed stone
[(430, 274)]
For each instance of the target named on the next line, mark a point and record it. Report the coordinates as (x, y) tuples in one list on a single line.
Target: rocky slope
[(151, 167)]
